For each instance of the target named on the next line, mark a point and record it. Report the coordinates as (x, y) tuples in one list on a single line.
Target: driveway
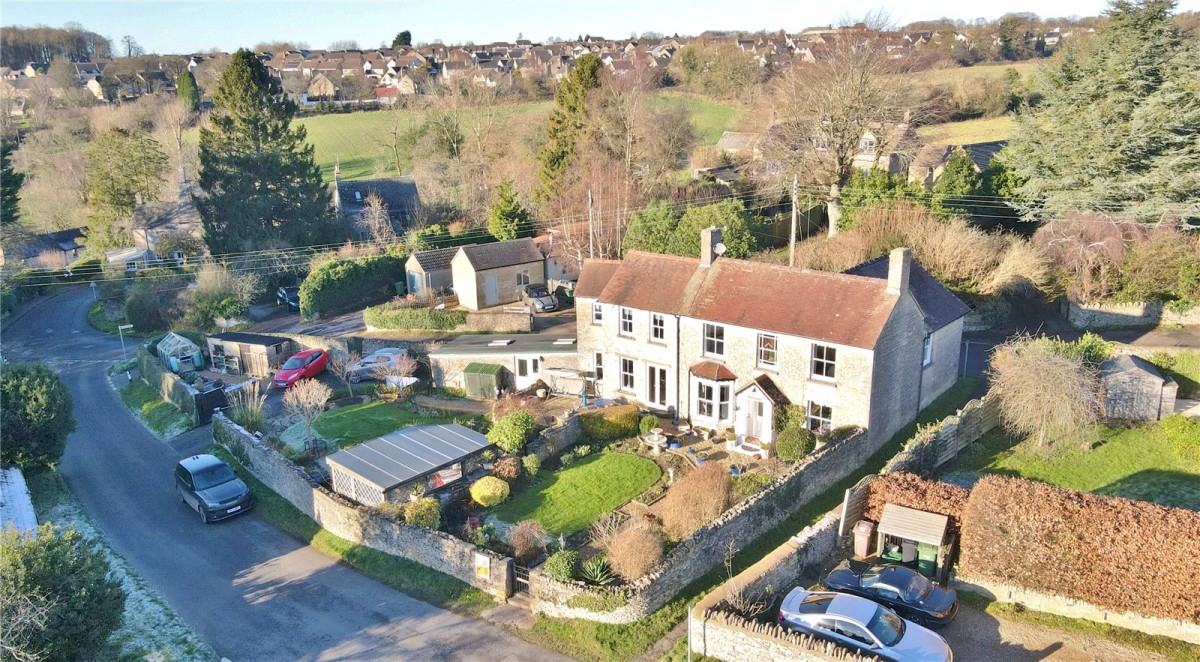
[(976, 635), (286, 321), (248, 590)]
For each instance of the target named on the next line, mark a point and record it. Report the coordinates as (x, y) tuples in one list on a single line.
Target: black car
[(288, 296), (902, 589), (207, 484)]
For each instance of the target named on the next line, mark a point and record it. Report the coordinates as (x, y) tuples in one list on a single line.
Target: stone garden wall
[(1102, 315), (440, 551), (169, 385)]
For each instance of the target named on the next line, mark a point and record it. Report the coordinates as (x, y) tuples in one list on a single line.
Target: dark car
[(207, 484), (288, 296), (902, 589)]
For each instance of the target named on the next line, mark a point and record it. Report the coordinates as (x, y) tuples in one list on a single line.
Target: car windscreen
[(917, 589), (213, 476), (293, 363), (887, 627), (540, 292)]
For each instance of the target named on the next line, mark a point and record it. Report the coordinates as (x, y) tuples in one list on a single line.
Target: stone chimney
[(709, 238), (899, 266)]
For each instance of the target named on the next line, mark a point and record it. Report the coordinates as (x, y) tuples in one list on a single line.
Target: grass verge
[(588, 640), (95, 317), (406, 576), (1172, 649), (162, 417)]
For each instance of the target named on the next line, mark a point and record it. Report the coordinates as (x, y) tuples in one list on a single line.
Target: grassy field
[(163, 417), (358, 423), (709, 118), (571, 499), (1157, 462), (968, 131), (1027, 68)]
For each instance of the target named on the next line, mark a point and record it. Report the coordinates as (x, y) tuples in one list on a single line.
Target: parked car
[(901, 589), (305, 365), (541, 298), (207, 484), (861, 626), (288, 296), (375, 364)]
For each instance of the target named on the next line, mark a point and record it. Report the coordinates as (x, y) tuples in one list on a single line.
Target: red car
[(305, 365)]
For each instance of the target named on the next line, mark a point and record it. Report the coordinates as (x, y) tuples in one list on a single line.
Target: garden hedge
[(1112, 552), (397, 317), (912, 491), (610, 423), (342, 285)]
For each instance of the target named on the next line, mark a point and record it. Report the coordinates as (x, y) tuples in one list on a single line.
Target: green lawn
[(1157, 462), (968, 132), (709, 118), (987, 72), (404, 575), (358, 423), (571, 499), (162, 417)]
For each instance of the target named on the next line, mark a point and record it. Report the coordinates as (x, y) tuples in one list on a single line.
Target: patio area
[(700, 446)]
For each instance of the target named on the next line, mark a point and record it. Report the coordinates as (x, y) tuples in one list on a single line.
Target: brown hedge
[(1112, 552), (912, 491)]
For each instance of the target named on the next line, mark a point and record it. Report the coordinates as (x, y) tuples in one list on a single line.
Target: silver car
[(861, 626), (375, 365), (541, 298)]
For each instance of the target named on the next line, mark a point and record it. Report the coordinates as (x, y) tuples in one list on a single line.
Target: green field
[(968, 132), (571, 499), (709, 118), (1027, 68)]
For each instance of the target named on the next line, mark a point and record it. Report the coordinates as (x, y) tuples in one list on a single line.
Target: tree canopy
[(1118, 128), (507, 219), (402, 38), (10, 189), (567, 124), (662, 229), (125, 169), (260, 182), (37, 411)]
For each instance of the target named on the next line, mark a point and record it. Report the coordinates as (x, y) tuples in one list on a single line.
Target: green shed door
[(482, 380)]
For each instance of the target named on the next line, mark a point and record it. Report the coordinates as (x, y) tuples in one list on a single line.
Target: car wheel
[(355, 378), (179, 491), (203, 516)]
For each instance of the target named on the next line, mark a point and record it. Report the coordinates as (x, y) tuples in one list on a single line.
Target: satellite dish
[(719, 249)]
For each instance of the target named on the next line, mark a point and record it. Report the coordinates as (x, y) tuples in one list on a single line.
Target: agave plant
[(596, 570)]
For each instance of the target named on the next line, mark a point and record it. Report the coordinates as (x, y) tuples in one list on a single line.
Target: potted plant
[(673, 442), (416, 492), (701, 457), (691, 451), (488, 456)]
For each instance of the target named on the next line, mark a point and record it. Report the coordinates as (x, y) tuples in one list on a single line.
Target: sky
[(183, 26)]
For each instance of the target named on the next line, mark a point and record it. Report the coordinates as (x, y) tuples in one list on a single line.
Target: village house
[(725, 343)]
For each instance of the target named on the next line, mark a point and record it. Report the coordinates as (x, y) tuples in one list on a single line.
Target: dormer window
[(867, 144)]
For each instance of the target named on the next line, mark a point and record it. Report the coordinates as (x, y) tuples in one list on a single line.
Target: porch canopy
[(912, 524)]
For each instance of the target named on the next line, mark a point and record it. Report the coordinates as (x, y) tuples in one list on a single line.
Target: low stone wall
[(1126, 315), (169, 385), (433, 549), (1072, 608), (557, 438), (724, 635)]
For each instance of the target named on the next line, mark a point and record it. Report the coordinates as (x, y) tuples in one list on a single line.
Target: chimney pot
[(899, 267)]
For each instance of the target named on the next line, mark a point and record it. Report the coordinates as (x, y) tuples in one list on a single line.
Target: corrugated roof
[(502, 254), (913, 524), (939, 305), (594, 276), (437, 259), (410, 453), (16, 505), (492, 345)]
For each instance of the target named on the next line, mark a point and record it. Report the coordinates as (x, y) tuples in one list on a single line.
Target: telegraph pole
[(795, 214), (591, 230)]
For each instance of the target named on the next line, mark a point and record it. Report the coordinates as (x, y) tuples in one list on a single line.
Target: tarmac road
[(250, 591)]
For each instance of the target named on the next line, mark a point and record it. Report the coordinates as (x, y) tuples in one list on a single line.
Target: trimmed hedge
[(342, 285), (1115, 553), (489, 491), (610, 423), (397, 317), (912, 491)]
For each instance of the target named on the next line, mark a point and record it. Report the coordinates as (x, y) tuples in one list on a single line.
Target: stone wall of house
[(1103, 315), (1072, 608), (169, 385), (433, 549), (942, 371), (895, 384)]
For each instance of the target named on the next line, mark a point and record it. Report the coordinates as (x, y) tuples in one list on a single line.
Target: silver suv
[(861, 626), (207, 484)]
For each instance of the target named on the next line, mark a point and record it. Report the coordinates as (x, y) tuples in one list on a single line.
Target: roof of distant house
[(733, 140), (398, 193), (436, 259), (248, 338), (502, 254), (939, 305), (16, 504)]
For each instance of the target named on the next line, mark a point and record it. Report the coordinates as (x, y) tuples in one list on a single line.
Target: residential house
[(726, 343), (50, 250), (429, 271), (523, 359), (494, 274), (740, 145), (321, 87), (399, 194)]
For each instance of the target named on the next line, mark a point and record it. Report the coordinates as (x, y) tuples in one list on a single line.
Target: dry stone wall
[(1127, 315)]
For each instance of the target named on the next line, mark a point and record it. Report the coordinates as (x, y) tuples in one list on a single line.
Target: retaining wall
[(433, 549), (1102, 315), (169, 385)]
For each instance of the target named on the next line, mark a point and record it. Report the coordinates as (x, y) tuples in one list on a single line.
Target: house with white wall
[(726, 343)]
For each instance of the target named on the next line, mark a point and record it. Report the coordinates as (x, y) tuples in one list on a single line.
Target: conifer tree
[(259, 180), (507, 219), (187, 90), (10, 189), (567, 125), (125, 169)]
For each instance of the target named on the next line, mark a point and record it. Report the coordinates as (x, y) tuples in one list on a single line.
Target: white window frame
[(762, 360), (819, 417), (626, 321), (711, 331), (706, 404), (627, 377), (927, 350), (719, 400), (597, 313), (598, 366), (658, 327), (823, 367), (522, 278)]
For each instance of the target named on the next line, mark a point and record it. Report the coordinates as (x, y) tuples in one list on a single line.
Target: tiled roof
[(436, 259), (769, 389), (713, 370), (594, 277), (502, 254), (938, 304)]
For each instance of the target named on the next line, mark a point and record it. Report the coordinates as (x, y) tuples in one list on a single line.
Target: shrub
[(1183, 367), (489, 491), (36, 408), (605, 529), (341, 285), (64, 573), (616, 422), (1084, 546), (635, 552), (647, 423), (513, 431), (581, 451), (562, 565), (507, 468), (747, 484), (794, 443), (532, 465), (597, 570), (695, 500), (912, 491), (397, 317), (151, 306), (1042, 391), (425, 512), (528, 540), (567, 459)]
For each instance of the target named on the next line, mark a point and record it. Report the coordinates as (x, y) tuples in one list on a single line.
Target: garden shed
[(914, 537), (179, 354), (388, 467), (1134, 390), (523, 359), (250, 354), (483, 380)]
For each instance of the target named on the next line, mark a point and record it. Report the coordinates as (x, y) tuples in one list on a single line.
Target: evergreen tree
[(567, 125), (10, 190), (507, 219), (737, 229), (1118, 128), (260, 182), (187, 90), (959, 184), (402, 38), (125, 168), (38, 416), (651, 229)]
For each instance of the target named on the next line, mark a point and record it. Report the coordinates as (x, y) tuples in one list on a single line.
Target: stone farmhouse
[(726, 343)]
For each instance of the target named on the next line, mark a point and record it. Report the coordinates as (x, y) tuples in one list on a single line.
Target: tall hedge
[(912, 491), (617, 422), (397, 317), (1115, 553), (343, 285)]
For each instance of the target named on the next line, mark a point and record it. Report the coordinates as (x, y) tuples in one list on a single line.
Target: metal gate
[(521, 579)]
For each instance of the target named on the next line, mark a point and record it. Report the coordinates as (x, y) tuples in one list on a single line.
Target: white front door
[(656, 386), (755, 417)]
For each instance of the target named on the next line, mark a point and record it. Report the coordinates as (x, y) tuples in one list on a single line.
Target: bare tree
[(741, 601), (398, 368), (376, 220), (25, 613), (306, 399), (339, 365), (174, 117), (1040, 391)]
